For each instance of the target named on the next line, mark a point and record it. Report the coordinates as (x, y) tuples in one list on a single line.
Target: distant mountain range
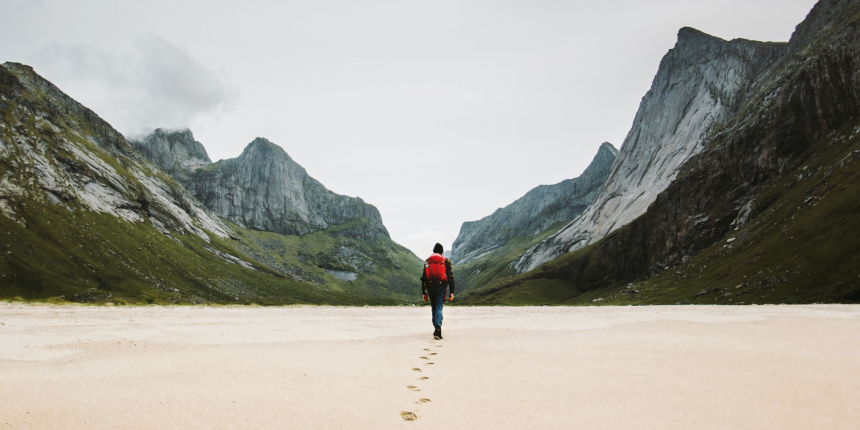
[(90, 217), (737, 183)]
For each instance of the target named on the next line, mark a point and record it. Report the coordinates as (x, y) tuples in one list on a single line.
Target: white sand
[(760, 367)]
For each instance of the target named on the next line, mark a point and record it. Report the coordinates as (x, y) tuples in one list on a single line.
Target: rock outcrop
[(176, 152), (56, 150), (535, 212), (261, 189), (698, 84)]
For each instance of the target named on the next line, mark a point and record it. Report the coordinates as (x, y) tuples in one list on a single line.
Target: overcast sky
[(437, 112)]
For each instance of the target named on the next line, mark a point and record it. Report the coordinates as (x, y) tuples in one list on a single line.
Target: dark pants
[(437, 298)]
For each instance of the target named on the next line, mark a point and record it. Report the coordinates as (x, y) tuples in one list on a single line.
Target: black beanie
[(438, 248)]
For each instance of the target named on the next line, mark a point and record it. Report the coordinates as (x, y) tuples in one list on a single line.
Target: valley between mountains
[(738, 183)]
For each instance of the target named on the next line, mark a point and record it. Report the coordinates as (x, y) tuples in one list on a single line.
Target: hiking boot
[(437, 334)]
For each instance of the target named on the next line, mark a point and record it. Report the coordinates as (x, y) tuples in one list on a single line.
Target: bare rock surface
[(55, 150), (697, 84), (261, 189), (535, 212)]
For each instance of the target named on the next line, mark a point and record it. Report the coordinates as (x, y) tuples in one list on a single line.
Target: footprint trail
[(424, 355)]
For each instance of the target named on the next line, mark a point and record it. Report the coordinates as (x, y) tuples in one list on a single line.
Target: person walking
[(437, 279)]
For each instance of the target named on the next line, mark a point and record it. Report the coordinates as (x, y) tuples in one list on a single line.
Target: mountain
[(485, 249), (86, 217), (262, 189), (56, 151), (696, 85), (175, 152), (535, 212), (737, 182)]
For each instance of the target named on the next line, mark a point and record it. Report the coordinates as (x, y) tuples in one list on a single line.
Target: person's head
[(438, 249)]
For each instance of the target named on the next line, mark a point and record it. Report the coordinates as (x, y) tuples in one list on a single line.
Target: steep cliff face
[(535, 212), (56, 150), (766, 211), (175, 152), (789, 117), (262, 189), (696, 86)]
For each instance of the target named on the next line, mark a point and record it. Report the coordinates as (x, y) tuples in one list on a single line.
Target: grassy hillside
[(84, 256), (496, 264), (804, 248), (382, 269)]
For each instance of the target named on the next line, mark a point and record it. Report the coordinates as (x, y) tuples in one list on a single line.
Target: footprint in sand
[(416, 369), (409, 416), (423, 378), (423, 401), (423, 358), (428, 363), (413, 388), (432, 353), (426, 349)]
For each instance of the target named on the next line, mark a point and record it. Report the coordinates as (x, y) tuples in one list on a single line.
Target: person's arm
[(424, 284), (449, 273)]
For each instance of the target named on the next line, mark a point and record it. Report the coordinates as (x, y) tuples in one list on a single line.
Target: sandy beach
[(673, 367)]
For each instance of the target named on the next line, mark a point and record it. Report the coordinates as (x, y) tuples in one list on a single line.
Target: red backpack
[(435, 270)]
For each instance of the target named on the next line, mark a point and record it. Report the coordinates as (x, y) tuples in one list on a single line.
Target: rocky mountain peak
[(603, 160), (262, 189), (606, 146), (691, 40), (262, 152), (698, 83), (179, 143), (535, 212), (264, 146), (174, 151)]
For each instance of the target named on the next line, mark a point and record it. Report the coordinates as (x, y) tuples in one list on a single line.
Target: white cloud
[(153, 84)]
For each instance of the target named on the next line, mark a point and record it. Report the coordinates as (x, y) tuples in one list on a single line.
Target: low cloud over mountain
[(154, 84)]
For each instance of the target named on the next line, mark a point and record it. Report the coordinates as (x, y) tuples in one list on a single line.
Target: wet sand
[(672, 367)]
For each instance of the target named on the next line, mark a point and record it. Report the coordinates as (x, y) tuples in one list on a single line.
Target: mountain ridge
[(696, 84), (780, 167), (264, 189), (534, 212), (75, 172)]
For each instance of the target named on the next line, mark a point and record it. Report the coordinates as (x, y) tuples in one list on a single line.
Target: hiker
[(436, 279)]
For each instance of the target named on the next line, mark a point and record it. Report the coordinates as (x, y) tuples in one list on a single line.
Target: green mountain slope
[(84, 256), (378, 269), (86, 218)]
